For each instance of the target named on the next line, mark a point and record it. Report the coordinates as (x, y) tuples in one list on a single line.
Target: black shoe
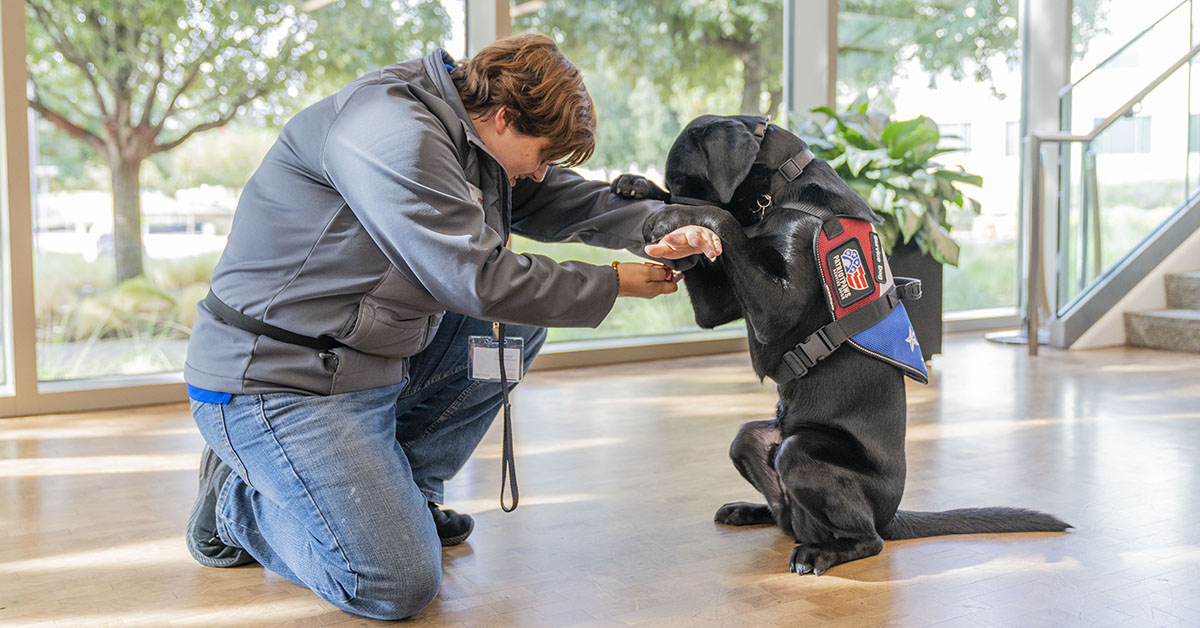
[(452, 527), (201, 536)]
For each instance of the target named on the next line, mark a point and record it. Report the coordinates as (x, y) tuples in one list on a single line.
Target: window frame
[(22, 394)]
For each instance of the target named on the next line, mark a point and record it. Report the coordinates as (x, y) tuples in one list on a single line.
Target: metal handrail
[(1063, 92), (1034, 155)]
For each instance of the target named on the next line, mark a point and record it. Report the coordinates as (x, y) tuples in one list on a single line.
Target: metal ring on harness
[(764, 203)]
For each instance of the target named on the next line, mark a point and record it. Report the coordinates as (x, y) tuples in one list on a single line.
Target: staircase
[(1176, 328)]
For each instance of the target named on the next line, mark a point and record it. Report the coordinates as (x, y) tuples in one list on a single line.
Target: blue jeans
[(331, 491)]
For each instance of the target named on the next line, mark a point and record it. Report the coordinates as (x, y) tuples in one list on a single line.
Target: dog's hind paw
[(819, 557), (743, 514), (812, 559)]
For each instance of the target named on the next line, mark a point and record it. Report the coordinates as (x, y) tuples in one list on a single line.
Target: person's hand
[(686, 241), (645, 279)]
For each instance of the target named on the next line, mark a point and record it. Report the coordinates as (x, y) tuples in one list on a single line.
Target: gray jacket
[(360, 224)]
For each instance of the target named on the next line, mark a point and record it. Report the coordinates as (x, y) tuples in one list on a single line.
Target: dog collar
[(790, 169), (794, 166)]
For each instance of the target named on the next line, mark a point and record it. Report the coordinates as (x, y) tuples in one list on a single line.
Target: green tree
[(132, 79), (676, 44), (136, 79), (684, 46), (357, 36), (957, 37)]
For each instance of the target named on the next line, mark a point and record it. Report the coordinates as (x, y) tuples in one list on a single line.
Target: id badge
[(484, 362), (477, 196)]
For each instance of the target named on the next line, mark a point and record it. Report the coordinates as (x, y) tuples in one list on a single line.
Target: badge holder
[(484, 365), (500, 358)]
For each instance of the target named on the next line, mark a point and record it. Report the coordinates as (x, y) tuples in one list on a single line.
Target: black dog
[(831, 464)]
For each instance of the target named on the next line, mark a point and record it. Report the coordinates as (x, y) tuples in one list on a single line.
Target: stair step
[(1183, 291), (1173, 330)]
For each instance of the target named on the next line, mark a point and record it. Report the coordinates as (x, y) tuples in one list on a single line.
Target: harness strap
[(255, 326), (823, 342), (760, 129), (687, 200), (829, 221), (795, 164)]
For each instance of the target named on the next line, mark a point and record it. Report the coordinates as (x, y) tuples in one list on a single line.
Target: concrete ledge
[(617, 350)]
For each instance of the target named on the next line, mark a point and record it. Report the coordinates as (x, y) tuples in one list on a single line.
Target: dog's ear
[(729, 149)]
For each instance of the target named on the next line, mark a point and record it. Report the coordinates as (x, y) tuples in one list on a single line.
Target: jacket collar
[(435, 67)]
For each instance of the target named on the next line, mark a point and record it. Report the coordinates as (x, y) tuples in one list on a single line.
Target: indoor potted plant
[(889, 163)]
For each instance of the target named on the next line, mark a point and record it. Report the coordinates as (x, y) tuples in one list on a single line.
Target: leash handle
[(508, 462)]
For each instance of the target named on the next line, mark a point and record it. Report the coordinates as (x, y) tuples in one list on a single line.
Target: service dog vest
[(864, 299)]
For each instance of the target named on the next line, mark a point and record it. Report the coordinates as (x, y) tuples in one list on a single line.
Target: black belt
[(255, 326), (822, 343)]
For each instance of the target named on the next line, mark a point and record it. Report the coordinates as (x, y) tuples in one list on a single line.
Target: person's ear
[(502, 120)]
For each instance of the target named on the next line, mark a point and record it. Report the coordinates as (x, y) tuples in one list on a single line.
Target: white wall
[(1150, 294)]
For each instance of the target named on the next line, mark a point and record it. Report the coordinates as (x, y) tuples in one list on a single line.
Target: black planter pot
[(925, 313)]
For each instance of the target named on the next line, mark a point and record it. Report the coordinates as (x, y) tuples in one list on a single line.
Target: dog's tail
[(911, 524)]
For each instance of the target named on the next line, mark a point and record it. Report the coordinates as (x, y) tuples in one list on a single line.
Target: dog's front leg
[(766, 301), (713, 301), (708, 287)]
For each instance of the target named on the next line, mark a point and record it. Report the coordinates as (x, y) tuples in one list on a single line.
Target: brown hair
[(532, 78)]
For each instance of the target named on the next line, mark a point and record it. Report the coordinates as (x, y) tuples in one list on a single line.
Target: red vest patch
[(855, 272)]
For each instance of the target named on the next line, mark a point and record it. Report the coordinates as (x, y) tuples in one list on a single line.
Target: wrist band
[(618, 272)]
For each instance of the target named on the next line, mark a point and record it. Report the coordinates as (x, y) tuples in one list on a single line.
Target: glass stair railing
[(1115, 189), (1125, 165)]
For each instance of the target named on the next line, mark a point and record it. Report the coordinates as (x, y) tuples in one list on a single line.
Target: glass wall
[(956, 63), (1123, 185), (651, 67), (139, 151)]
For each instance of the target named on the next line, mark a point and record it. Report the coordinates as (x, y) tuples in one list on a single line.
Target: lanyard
[(508, 463)]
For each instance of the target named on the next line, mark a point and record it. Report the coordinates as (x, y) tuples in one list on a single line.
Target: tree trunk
[(751, 90), (776, 101), (127, 217)]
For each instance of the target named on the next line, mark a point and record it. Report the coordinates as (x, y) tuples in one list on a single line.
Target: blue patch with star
[(894, 341)]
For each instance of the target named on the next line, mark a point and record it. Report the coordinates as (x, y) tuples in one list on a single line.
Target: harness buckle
[(811, 350), (908, 288), (790, 169), (816, 347), (795, 364)]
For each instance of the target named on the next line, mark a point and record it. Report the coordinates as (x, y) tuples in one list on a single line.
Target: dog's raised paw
[(636, 186), (743, 514)]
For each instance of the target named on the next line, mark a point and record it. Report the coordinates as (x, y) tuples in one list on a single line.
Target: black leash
[(508, 462)]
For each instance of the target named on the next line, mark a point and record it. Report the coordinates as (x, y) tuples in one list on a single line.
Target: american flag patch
[(856, 274)]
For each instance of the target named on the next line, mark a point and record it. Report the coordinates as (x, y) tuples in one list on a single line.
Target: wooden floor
[(621, 469)]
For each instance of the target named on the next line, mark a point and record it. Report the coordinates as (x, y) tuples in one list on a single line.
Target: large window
[(651, 66), (138, 151), (956, 63)]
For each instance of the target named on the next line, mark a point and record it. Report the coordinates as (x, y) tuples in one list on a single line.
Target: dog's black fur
[(831, 463)]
